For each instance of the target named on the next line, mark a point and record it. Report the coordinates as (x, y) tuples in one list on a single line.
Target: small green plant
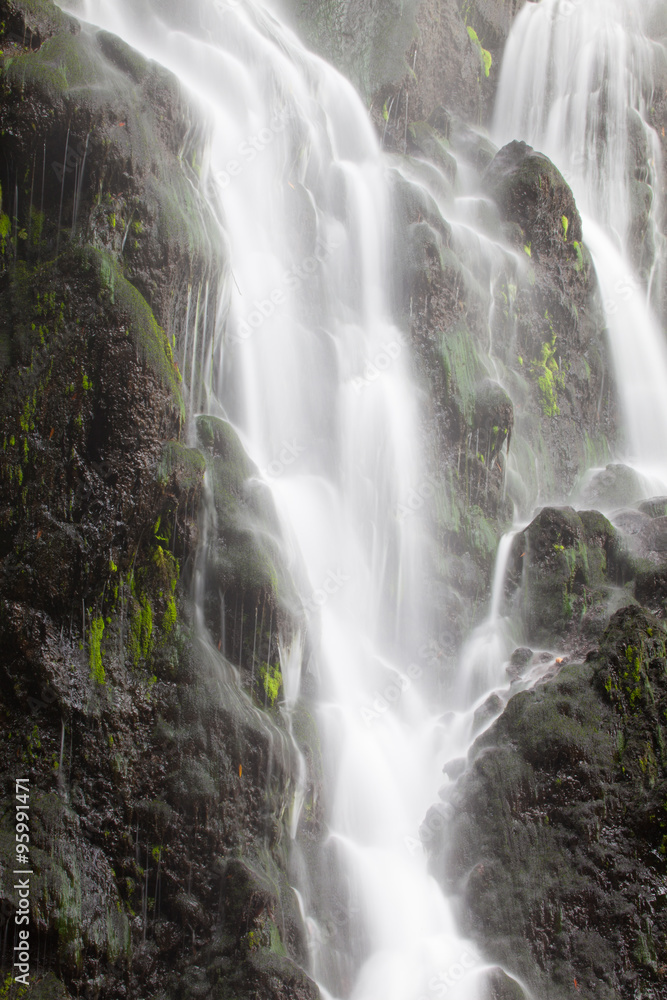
[(170, 615), (34, 745), (549, 377), (96, 665), (141, 630), (528, 249), (272, 679), (579, 266), (484, 54), (565, 223)]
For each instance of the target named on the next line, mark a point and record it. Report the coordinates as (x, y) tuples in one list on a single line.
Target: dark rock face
[(157, 781), (558, 838), (568, 567), (530, 191)]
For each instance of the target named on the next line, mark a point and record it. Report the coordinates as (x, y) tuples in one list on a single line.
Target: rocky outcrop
[(510, 343), (160, 767), (571, 568), (557, 835)]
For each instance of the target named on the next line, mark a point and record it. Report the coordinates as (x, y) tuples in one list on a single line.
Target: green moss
[(123, 56), (484, 54), (170, 616), (462, 369), (95, 653), (141, 630), (150, 339), (272, 681), (188, 464), (481, 534), (62, 62), (546, 371)]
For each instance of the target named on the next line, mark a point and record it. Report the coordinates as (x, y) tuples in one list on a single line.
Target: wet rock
[(492, 707), (530, 190), (570, 562), (651, 590), (426, 140), (557, 836), (646, 537), (493, 420), (655, 507), (613, 487), (500, 986), (471, 144), (519, 661), (455, 768), (547, 329)]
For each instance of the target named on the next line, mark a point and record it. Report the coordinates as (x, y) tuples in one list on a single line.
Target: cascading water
[(307, 363), (577, 83)]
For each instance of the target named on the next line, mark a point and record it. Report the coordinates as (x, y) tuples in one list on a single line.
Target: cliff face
[(152, 773)]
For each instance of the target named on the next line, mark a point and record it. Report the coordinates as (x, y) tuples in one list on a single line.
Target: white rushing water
[(577, 83), (308, 364)]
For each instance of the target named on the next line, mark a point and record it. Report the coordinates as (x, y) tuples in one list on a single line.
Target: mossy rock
[(123, 56), (567, 562), (613, 487), (494, 419), (655, 507), (557, 826), (632, 670), (531, 191), (34, 21), (150, 339), (188, 465), (248, 551), (434, 147)]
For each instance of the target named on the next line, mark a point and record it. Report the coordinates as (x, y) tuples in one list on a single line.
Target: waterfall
[(577, 83), (305, 359)]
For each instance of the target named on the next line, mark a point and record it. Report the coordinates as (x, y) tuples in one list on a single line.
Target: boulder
[(557, 830)]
